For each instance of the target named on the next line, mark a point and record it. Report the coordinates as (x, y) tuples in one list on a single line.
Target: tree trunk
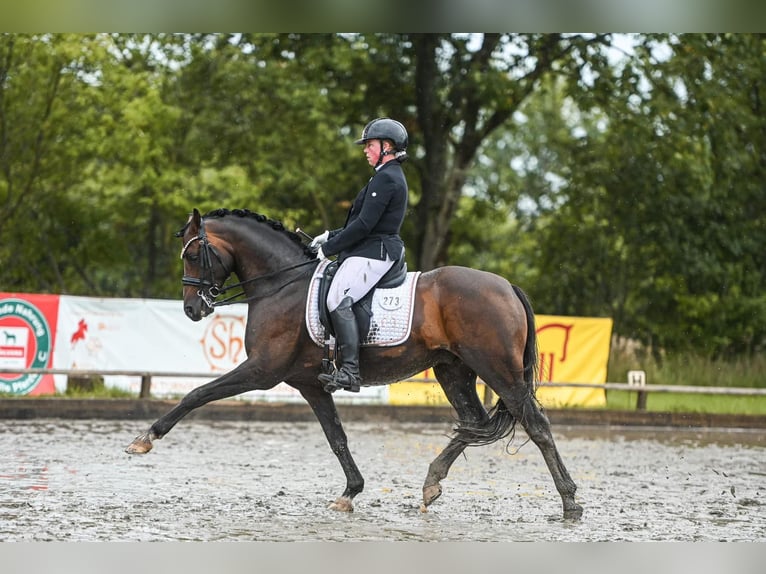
[(457, 110)]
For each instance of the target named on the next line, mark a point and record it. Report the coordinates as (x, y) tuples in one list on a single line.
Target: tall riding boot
[(346, 377)]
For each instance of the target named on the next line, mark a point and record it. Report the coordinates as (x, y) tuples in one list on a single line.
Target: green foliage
[(629, 187), (649, 208), (104, 392), (687, 369)]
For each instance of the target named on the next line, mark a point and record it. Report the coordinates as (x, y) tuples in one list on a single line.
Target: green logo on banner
[(25, 343)]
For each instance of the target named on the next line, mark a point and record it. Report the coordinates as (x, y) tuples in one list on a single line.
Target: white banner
[(155, 335)]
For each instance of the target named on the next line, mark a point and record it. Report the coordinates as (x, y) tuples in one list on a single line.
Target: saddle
[(362, 309)]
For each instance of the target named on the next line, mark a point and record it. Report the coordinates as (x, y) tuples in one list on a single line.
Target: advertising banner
[(132, 335), (573, 350), (152, 335), (28, 325), (156, 336)]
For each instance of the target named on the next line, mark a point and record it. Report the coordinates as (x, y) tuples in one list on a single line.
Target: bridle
[(209, 290)]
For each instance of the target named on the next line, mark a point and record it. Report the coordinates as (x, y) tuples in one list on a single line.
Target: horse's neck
[(263, 260)]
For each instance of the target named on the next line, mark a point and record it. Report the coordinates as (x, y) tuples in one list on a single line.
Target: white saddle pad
[(392, 310)]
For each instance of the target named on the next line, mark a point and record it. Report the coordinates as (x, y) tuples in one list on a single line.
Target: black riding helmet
[(387, 129)]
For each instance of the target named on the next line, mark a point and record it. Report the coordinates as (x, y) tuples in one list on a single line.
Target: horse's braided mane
[(276, 225)]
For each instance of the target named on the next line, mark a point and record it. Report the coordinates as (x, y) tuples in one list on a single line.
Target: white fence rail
[(146, 383)]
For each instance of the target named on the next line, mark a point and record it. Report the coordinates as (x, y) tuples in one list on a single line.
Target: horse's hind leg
[(459, 385), (525, 408)]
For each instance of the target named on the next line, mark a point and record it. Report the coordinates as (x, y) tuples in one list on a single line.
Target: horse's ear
[(196, 219)]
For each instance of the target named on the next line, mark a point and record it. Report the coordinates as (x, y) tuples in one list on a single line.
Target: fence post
[(641, 401), (638, 379), (146, 386)]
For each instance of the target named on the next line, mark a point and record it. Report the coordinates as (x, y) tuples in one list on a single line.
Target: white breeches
[(354, 278)]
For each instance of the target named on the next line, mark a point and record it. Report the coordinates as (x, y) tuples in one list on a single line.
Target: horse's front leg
[(243, 378), (323, 406)]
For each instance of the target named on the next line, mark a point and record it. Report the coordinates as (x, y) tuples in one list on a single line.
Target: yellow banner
[(572, 350)]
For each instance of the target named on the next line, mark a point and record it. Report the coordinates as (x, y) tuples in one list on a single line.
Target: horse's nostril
[(189, 311)]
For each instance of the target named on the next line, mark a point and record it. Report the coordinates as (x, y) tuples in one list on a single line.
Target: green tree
[(465, 88), (658, 222), (47, 114), (628, 187), (451, 91)]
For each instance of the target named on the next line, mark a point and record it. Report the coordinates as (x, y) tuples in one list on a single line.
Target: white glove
[(320, 239), (320, 255)]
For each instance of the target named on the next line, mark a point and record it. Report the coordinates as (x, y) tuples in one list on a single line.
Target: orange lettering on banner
[(223, 343)]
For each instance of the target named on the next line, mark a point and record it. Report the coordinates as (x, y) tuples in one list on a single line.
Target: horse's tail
[(531, 353), (501, 422)]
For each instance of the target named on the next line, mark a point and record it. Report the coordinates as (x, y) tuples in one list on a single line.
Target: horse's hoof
[(140, 445), (342, 504), (431, 493), (574, 512)]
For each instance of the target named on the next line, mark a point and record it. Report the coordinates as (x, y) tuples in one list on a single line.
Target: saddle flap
[(324, 287)]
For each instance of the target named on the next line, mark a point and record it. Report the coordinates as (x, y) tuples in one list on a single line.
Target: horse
[(466, 323)]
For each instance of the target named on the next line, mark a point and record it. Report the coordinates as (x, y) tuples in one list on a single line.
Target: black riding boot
[(346, 377)]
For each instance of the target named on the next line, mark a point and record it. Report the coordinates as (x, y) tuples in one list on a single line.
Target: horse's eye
[(192, 257)]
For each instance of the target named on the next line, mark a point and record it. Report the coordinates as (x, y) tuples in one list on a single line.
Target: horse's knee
[(538, 430)]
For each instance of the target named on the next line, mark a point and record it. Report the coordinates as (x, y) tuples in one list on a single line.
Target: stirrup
[(334, 382)]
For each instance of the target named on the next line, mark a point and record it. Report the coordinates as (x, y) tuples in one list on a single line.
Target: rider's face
[(372, 149)]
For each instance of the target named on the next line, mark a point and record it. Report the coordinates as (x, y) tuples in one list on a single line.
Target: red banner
[(27, 337)]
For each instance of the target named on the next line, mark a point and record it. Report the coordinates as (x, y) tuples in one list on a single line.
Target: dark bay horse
[(466, 323)]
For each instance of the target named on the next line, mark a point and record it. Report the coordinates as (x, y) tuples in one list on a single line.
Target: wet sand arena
[(71, 481)]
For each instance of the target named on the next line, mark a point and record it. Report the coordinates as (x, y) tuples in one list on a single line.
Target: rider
[(367, 245)]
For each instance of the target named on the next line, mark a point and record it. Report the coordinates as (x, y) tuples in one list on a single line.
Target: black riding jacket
[(374, 220)]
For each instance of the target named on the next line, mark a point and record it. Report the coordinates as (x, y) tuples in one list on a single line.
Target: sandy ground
[(66, 480)]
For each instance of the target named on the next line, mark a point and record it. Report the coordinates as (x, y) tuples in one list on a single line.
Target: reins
[(236, 298)]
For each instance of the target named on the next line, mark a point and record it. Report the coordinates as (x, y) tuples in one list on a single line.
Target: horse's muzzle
[(200, 306), (197, 310), (193, 314)]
